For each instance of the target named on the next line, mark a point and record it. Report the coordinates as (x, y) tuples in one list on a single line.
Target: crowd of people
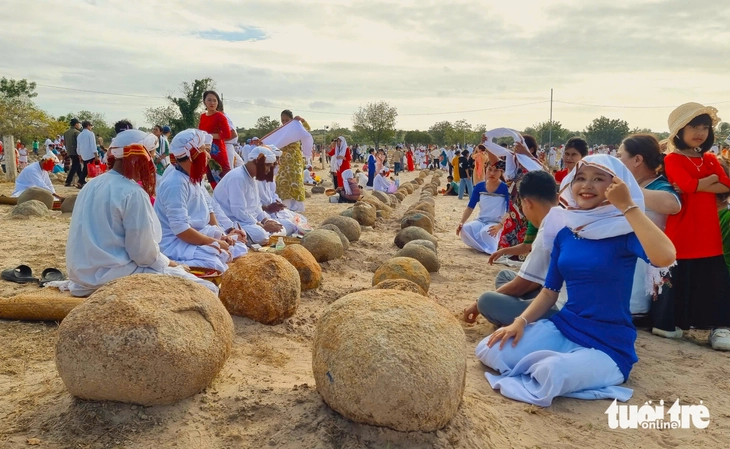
[(638, 233), (609, 236)]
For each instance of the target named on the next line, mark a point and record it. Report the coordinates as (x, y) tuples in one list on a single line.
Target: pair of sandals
[(23, 274)]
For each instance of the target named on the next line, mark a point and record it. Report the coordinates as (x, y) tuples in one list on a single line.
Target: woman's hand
[(223, 244), (618, 194), (241, 236), (299, 119), (494, 230), (471, 314), (514, 331), (496, 255), (459, 228)]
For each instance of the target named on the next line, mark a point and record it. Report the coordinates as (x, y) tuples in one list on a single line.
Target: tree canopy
[(10, 88), (375, 122), (606, 131)]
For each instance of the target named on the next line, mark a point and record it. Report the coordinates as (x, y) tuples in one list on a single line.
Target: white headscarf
[(604, 221), (131, 137), (347, 174), (187, 140), (340, 150), (268, 154), (511, 159)]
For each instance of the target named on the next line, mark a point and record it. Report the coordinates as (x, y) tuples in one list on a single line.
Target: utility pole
[(322, 156), (11, 170), (551, 119)]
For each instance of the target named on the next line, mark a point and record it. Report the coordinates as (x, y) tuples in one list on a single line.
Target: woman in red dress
[(409, 157), (341, 158), (700, 293), (215, 123)]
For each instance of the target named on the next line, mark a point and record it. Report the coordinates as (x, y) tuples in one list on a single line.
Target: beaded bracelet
[(633, 206), (523, 319)]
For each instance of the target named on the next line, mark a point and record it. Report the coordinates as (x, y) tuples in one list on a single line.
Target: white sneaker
[(666, 334), (720, 339)]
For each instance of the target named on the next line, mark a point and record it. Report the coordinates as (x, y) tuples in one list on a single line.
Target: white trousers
[(476, 234), (80, 290), (545, 365)]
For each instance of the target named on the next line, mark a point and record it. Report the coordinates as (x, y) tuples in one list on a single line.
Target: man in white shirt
[(36, 175), (86, 149), (48, 144), (515, 291), (232, 142), (191, 234), (114, 231), (237, 194)]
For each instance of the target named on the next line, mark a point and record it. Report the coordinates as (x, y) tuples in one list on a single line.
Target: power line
[(250, 103)]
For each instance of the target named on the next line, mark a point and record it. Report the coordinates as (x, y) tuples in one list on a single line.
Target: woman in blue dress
[(492, 196), (587, 349)]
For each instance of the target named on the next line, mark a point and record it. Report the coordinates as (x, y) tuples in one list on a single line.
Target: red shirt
[(560, 175), (695, 230), (217, 123)]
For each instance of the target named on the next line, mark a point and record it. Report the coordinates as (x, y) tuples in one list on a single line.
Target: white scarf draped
[(347, 174), (340, 150), (512, 161), (602, 222), (293, 131)]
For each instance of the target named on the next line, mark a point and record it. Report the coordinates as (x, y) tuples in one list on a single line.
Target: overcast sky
[(490, 62)]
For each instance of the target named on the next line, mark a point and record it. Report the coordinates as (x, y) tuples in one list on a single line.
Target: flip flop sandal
[(22, 274), (50, 275)]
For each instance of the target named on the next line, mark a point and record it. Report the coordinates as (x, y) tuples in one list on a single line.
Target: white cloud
[(325, 58)]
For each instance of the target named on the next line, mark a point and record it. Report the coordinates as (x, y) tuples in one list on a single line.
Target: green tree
[(440, 131), (606, 131), (460, 132), (375, 122), (265, 125), (190, 104), (541, 132), (20, 118), (10, 88), (418, 138), (101, 127), (162, 115)]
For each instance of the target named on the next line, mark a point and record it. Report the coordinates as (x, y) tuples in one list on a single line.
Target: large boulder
[(419, 219), (424, 255), (403, 268), (424, 206), (261, 286), (32, 208), (38, 194), (403, 285), (408, 187), (390, 358), (405, 235), (382, 196), (343, 239), (364, 213), (376, 203), (347, 213), (425, 243), (310, 273), (67, 206), (323, 244), (144, 339), (318, 189), (400, 196), (349, 226)]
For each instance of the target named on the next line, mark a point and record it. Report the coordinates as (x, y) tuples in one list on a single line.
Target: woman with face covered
[(587, 349)]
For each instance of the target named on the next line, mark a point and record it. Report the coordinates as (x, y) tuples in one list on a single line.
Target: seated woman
[(36, 175), (382, 183), (350, 191), (492, 196), (271, 204), (587, 349), (308, 176)]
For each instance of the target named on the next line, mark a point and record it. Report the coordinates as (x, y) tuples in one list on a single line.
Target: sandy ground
[(265, 395)]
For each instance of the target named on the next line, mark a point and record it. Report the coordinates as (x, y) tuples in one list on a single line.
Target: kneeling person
[(36, 175)]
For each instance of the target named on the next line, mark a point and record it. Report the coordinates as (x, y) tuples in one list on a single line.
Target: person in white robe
[(191, 234), (36, 175), (308, 179), (382, 183), (114, 231), (238, 196), (274, 207)]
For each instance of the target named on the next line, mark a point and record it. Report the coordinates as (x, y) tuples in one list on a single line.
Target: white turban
[(131, 137), (274, 149), (187, 140), (50, 156), (268, 154)]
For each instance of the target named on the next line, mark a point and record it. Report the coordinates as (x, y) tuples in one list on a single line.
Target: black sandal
[(22, 274), (51, 275)]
